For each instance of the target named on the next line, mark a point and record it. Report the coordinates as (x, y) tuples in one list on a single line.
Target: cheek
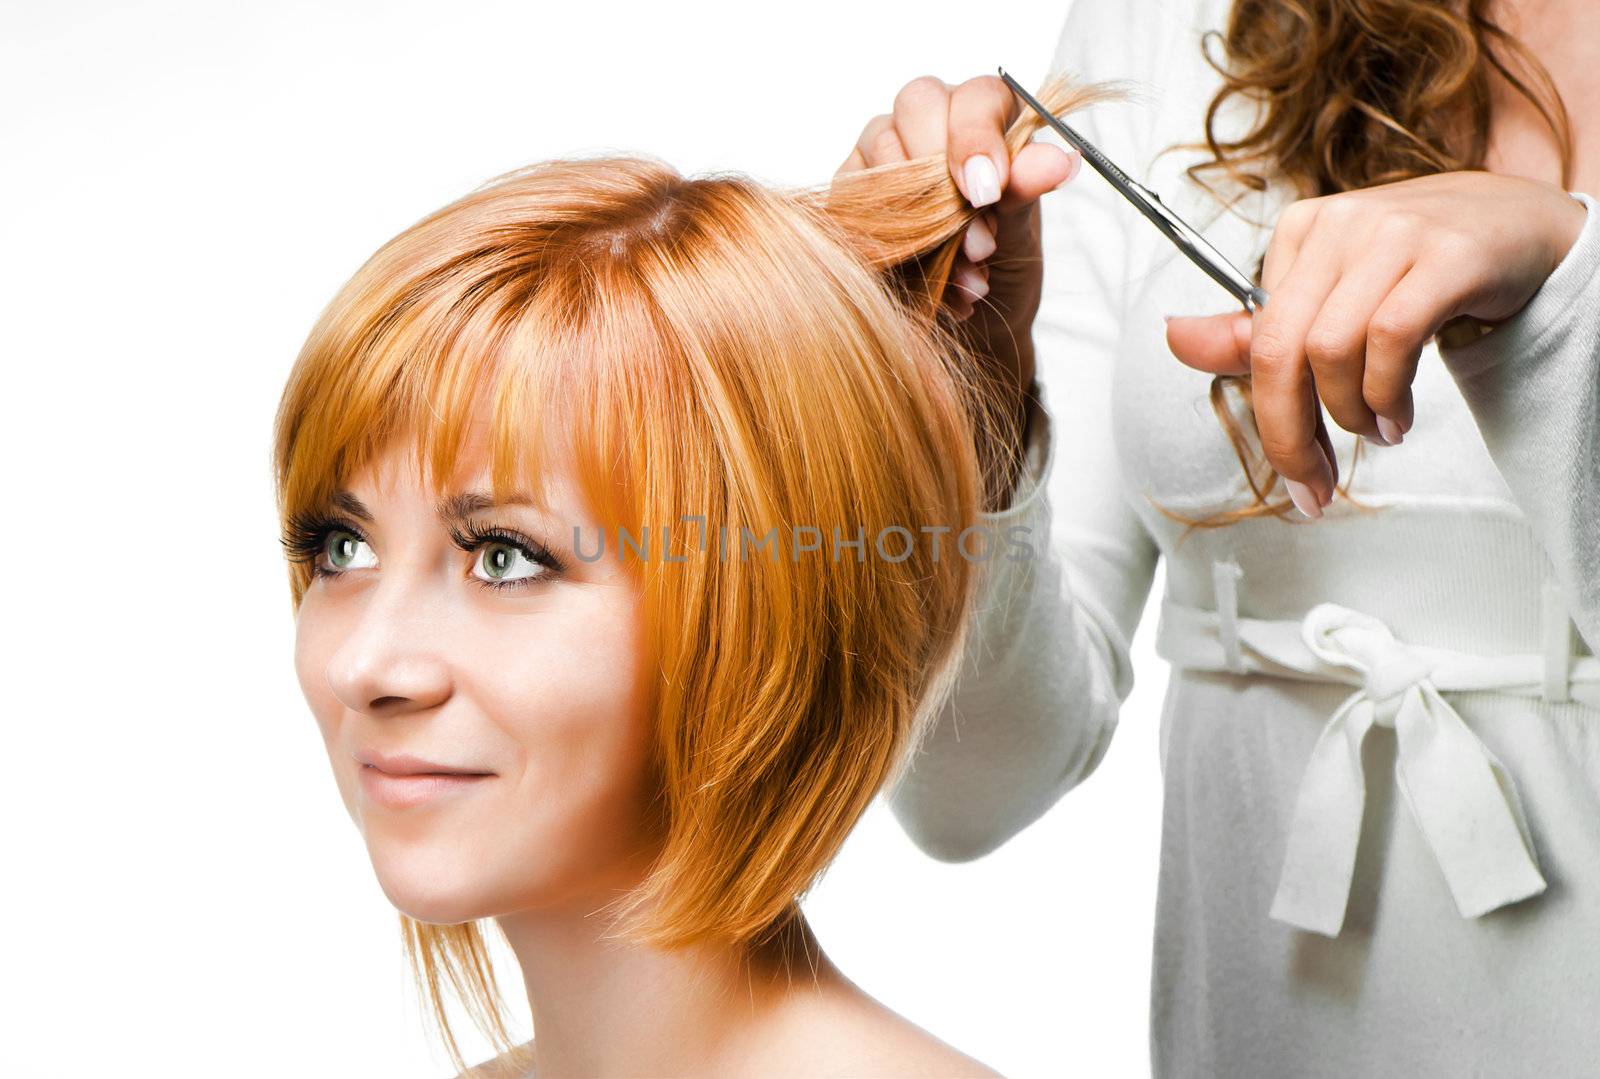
[(560, 699), (314, 641), (576, 710), (570, 694)]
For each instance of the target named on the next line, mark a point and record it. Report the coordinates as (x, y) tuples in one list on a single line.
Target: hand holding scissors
[(1361, 281)]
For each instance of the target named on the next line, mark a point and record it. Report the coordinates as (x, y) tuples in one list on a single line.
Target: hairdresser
[(1377, 501)]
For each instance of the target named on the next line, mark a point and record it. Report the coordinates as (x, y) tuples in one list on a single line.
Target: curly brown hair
[(1356, 93)]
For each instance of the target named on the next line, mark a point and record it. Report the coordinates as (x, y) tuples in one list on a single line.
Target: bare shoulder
[(897, 1051), (848, 1033), (836, 1032), (514, 1063)]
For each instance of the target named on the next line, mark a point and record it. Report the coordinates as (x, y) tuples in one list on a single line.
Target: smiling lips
[(401, 781)]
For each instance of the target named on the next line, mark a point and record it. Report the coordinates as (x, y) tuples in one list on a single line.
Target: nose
[(392, 661)]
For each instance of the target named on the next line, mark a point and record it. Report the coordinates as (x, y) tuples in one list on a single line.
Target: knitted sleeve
[(1533, 387), (1046, 666)]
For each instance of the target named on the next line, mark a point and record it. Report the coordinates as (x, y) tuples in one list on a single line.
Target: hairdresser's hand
[(996, 284), (1359, 282)]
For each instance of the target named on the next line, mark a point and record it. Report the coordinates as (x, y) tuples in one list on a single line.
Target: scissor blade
[(1091, 153), (1147, 202)]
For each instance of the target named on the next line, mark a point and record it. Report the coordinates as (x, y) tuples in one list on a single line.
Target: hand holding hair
[(978, 131), (1360, 281)]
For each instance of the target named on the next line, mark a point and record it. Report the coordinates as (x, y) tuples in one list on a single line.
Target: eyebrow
[(449, 508)]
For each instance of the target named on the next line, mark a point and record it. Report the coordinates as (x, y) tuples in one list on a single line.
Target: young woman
[(1381, 738), (614, 501)]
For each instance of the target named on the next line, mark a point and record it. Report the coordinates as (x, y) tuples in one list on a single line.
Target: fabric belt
[(1464, 801)]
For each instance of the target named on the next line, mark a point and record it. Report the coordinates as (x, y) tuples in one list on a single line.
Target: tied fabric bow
[(1461, 796)]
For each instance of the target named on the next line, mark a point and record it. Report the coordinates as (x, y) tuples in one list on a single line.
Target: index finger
[(922, 116), (1284, 394), (980, 111)]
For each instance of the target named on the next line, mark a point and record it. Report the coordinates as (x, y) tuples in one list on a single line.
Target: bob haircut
[(710, 347)]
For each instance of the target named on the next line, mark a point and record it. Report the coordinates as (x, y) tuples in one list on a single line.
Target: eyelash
[(305, 538)]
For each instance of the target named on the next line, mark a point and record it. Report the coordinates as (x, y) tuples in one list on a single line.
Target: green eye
[(344, 548), (499, 563)]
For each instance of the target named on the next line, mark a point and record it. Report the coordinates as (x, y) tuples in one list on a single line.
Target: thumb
[(1216, 343), (1039, 167)]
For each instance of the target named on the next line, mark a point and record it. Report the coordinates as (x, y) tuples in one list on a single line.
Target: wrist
[(1564, 227), (1559, 308)]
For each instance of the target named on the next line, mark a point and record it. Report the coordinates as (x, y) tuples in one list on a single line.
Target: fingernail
[(974, 282), (1074, 165), (979, 242), (1304, 499), (983, 180), (1390, 430)]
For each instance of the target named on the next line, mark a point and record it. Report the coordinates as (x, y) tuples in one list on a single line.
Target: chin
[(434, 886), (451, 883), (438, 901)]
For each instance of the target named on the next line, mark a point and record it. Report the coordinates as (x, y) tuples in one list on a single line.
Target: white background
[(185, 186)]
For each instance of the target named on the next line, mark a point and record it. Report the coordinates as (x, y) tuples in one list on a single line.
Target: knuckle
[(1399, 225), (1294, 214), (1269, 348), (883, 144), (923, 93), (1384, 399), (872, 127), (984, 86), (1339, 208), (1299, 215), (1282, 451), (1327, 345), (1389, 329), (1453, 248)]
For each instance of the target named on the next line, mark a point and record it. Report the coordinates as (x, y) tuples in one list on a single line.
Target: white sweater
[(1332, 900)]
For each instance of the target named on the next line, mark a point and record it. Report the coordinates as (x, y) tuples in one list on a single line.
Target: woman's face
[(417, 655)]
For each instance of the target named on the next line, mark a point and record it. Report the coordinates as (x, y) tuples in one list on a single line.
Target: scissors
[(1147, 202)]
